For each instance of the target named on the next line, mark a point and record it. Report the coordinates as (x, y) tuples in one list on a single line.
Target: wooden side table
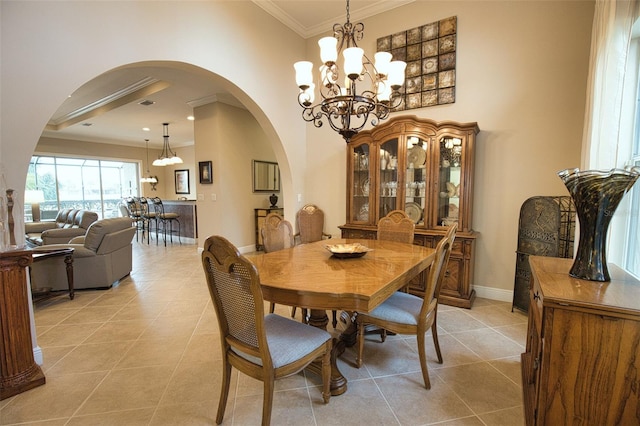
[(42, 254), (18, 369)]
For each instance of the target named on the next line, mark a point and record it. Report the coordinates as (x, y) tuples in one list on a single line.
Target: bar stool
[(165, 219), (135, 215), (148, 216)]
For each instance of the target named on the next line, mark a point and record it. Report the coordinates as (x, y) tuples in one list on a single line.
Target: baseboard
[(493, 293), (247, 249), (37, 355)]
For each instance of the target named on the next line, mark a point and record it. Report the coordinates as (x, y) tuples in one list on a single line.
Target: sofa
[(69, 223), (101, 257)]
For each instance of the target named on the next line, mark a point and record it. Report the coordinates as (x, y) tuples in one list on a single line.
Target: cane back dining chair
[(310, 223), (277, 234), (266, 348), (405, 313), (396, 226)]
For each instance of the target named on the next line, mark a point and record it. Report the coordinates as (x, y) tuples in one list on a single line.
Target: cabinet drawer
[(457, 247)]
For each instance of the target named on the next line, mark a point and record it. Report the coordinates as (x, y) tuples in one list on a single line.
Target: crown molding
[(374, 8)]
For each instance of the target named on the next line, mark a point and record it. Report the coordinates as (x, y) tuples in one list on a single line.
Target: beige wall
[(521, 74), (230, 138)]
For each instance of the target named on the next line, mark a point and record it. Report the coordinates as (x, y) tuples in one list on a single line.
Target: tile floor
[(147, 352)]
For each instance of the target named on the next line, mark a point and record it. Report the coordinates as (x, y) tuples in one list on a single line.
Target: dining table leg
[(319, 318)]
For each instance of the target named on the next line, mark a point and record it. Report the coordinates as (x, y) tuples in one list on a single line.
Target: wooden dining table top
[(308, 275)]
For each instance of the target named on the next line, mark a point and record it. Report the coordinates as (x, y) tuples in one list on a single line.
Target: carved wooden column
[(18, 369)]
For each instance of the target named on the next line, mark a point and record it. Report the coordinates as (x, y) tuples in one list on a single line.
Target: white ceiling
[(107, 109)]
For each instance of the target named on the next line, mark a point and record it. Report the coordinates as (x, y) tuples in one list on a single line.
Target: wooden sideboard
[(582, 362), (18, 369)]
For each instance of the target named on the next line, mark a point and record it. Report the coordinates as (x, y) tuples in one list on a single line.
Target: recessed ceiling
[(111, 108)]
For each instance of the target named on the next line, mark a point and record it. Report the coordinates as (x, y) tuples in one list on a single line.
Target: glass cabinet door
[(416, 179), (360, 184), (450, 179), (388, 165)]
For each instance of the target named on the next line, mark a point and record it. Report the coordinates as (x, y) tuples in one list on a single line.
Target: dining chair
[(405, 313), (266, 348), (310, 224), (165, 219), (396, 226), (277, 234)]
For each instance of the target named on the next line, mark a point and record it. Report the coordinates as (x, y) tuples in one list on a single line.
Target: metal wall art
[(430, 54)]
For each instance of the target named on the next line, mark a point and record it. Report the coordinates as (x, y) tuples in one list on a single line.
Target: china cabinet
[(581, 362), (426, 169)]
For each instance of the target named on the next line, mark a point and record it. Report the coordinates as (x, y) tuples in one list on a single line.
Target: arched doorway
[(105, 117)]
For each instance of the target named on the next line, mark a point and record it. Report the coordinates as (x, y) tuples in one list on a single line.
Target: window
[(632, 252), (90, 184)]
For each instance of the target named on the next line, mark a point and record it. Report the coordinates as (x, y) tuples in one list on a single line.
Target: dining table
[(311, 276)]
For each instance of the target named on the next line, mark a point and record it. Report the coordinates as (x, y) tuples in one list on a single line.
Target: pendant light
[(153, 180), (167, 157)]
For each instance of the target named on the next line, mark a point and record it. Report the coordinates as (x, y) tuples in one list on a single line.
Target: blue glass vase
[(596, 195)]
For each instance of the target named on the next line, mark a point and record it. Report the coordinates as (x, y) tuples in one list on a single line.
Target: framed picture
[(182, 181), (206, 175)]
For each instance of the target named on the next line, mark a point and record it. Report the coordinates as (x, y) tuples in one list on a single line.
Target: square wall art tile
[(430, 54)]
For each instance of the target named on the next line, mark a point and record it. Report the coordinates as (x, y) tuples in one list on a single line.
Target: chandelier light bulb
[(396, 74), (304, 75), (328, 50), (382, 61), (353, 61)]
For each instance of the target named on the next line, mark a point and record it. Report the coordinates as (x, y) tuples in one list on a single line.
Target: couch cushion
[(68, 224), (75, 218), (98, 229)]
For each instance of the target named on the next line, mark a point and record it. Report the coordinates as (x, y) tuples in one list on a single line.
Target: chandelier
[(153, 180), (167, 157), (346, 110)]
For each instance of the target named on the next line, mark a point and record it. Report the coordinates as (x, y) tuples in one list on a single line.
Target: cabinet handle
[(536, 296), (536, 363)]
